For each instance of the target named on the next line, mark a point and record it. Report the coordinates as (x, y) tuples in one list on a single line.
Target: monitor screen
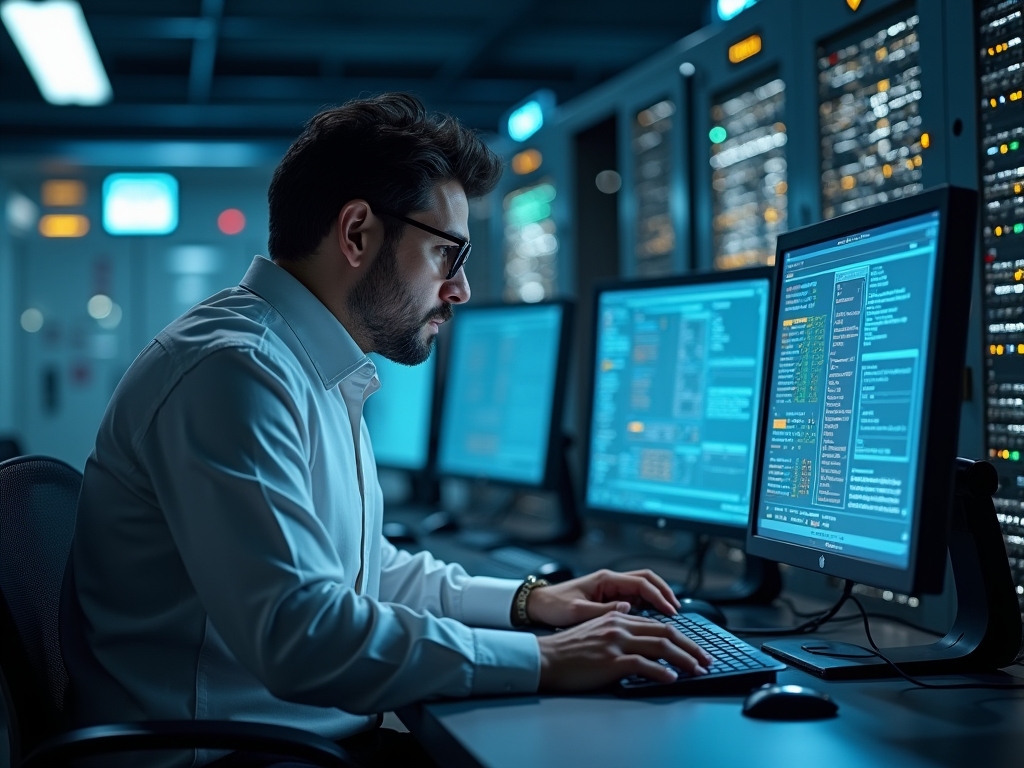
[(501, 390), (846, 400), (398, 414), (677, 390)]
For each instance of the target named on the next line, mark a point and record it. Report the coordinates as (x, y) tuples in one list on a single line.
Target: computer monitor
[(399, 415), (675, 386), (861, 417), (501, 418)]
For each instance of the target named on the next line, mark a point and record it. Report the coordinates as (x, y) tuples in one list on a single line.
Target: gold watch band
[(520, 618)]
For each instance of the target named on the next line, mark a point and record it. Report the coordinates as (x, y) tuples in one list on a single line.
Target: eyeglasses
[(454, 263)]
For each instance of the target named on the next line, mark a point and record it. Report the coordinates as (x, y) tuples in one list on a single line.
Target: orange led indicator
[(926, 140), (527, 161), (635, 426), (63, 193), (744, 49), (778, 424), (63, 225)]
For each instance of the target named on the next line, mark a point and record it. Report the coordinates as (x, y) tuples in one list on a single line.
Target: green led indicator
[(1014, 144), (1015, 455), (717, 134), (1018, 228)]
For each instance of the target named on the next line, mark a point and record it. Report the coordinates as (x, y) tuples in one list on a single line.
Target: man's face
[(404, 296)]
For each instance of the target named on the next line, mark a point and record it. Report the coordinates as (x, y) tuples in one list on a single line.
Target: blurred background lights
[(99, 306), (527, 161), (32, 320), (54, 40), (525, 121), (140, 204), (22, 213), (63, 225), (112, 320), (231, 221), (608, 182), (63, 193), (727, 9)]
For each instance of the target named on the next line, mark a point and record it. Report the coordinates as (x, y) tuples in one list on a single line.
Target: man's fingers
[(660, 584), (639, 626), (652, 670), (664, 648)]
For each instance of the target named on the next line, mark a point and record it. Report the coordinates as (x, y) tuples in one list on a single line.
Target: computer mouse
[(398, 533), (555, 572), (788, 702), (705, 609), (438, 522)]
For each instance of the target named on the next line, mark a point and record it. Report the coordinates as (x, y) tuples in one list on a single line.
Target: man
[(228, 557)]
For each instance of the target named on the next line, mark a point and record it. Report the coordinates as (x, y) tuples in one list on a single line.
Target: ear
[(354, 227)]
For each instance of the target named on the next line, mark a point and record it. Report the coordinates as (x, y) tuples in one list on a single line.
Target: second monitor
[(677, 376)]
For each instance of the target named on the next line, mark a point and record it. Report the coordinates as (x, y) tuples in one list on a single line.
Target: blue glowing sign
[(140, 204), (728, 8), (525, 121)]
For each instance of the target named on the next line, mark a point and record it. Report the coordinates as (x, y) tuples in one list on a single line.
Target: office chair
[(38, 504)]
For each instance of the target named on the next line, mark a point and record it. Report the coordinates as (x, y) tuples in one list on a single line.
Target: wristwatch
[(520, 618)]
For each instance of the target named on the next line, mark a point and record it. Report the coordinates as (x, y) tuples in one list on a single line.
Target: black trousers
[(376, 748)]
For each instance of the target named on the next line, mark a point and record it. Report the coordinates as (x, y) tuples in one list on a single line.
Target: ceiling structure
[(261, 68)]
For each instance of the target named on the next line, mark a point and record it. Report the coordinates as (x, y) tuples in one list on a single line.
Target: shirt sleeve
[(227, 455), (424, 583)]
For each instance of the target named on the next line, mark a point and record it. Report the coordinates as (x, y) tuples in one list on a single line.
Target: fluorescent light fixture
[(54, 40), (525, 121), (729, 8), (140, 203)]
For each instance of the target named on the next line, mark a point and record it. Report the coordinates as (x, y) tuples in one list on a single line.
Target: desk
[(881, 724)]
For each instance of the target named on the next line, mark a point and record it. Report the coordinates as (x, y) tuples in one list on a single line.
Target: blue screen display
[(398, 414), (676, 399), (499, 393), (850, 355)]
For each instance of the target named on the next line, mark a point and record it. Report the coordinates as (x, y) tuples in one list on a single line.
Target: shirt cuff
[(487, 602), (506, 662)]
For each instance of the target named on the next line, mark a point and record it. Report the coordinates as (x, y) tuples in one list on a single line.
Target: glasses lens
[(460, 260)]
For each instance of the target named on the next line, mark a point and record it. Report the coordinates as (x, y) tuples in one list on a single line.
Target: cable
[(853, 617), (904, 675), (811, 625)]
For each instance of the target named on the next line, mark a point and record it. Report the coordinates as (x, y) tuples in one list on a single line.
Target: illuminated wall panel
[(748, 180), (1001, 163), (654, 238), (530, 244), (869, 94)]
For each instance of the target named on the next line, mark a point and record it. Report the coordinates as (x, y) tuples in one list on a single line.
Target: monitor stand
[(569, 531), (986, 633), (759, 584)]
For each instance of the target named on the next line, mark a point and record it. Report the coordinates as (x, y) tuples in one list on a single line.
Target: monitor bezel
[(942, 393), (694, 278), (555, 441)]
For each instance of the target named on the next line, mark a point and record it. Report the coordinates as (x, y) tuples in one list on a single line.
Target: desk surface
[(880, 723)]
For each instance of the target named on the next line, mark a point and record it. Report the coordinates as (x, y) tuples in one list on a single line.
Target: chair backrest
[(38, 505)]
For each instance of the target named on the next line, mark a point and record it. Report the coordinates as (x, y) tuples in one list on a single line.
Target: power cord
[(856, 616), (904, 675), (813, 624)]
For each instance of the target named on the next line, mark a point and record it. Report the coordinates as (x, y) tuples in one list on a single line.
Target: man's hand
[(585, 598), (614, 646)]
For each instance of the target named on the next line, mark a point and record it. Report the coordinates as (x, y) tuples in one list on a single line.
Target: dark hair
[(386, 150)]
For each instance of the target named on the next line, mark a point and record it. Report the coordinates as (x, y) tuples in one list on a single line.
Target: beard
[(385, 307)]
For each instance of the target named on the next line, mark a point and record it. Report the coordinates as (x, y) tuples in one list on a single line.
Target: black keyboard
[(737, 666)]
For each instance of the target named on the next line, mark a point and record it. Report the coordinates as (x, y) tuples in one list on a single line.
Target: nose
[(456, 290)]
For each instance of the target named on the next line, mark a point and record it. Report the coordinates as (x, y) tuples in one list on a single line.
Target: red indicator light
[(231, 221)]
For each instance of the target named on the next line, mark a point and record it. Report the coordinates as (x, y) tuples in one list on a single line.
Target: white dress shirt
[(228, 555)]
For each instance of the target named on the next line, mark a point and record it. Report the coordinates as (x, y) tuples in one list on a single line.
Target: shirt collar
[(330, 347)]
